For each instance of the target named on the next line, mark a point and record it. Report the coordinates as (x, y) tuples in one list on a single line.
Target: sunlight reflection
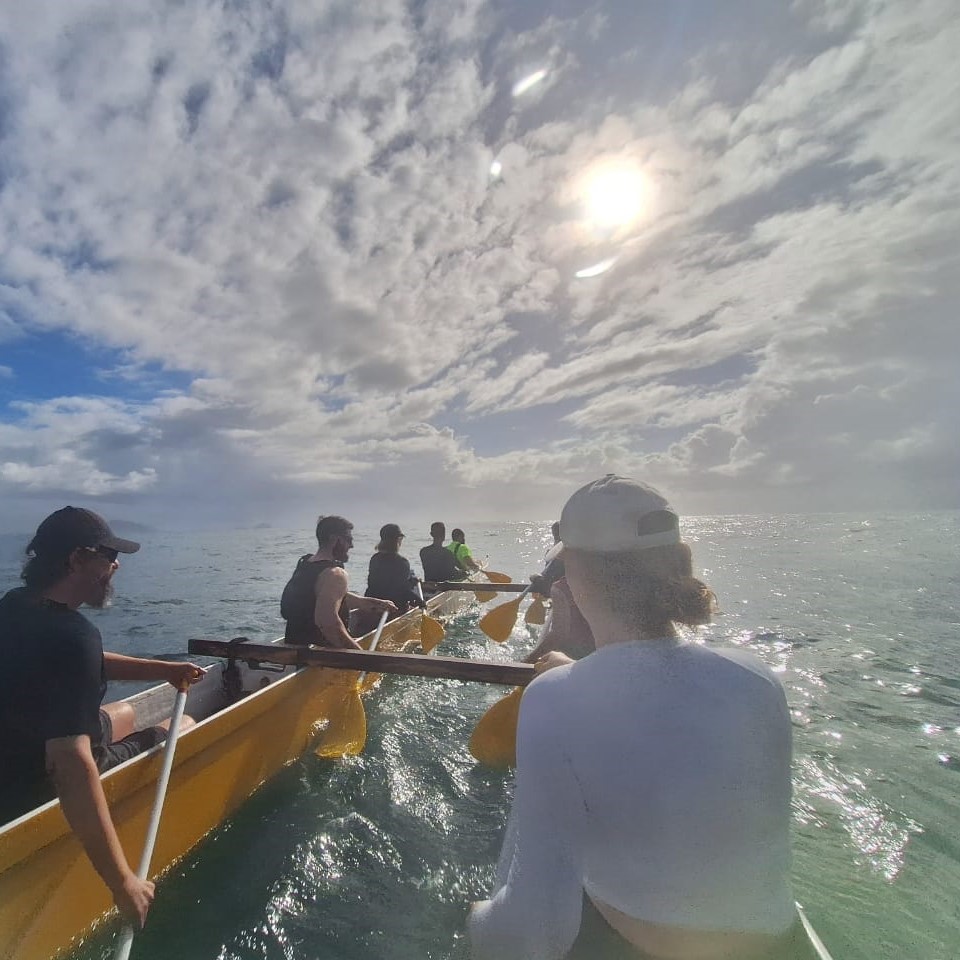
[(528, 82), (496, 168), (602, 267)]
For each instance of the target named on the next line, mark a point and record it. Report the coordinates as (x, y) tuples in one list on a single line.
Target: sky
[(438, 260)]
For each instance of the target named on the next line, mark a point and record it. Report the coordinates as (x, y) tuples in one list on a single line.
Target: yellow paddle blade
[(494, 740), (346, 730), (498, 623), (536, 612), (495, 577), (431, 633), (484, 595)]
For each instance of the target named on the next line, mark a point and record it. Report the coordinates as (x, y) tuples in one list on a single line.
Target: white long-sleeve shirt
[(655, 776)]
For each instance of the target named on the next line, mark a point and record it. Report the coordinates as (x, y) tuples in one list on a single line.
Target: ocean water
[(379, 856)]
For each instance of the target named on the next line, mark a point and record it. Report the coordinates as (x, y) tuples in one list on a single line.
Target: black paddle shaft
[(509, 673)]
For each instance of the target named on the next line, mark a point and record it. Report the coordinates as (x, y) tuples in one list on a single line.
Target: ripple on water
[(825, 794)]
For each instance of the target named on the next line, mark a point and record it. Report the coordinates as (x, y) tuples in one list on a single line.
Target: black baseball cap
[(391, 531), (72, 527)]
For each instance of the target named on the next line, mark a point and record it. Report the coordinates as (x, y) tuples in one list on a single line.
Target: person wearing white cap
[(651, 813)]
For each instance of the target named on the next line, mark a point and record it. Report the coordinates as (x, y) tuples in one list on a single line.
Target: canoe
[(50, 895)]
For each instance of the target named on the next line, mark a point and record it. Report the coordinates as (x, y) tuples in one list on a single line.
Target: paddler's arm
[(565, 630), (120, 667), (354, 601), (330, 592), (74, 773), (465, 559), (555, 635), (536, 910), (549, 637)]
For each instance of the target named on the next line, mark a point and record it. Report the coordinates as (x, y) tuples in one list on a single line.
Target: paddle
[(494, 738), (498, 623), (126, 935), (495, 577), (346, 730), (536, 612), (492, 577), (484, 595), (431, 630)]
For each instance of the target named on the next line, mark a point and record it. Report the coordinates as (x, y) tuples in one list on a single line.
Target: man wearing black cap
[(389, 575), (54, 736)]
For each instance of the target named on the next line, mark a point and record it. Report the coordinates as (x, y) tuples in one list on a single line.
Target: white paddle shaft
[(126, 935)]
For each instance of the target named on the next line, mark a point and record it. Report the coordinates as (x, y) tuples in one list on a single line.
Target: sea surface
[(379, 856)]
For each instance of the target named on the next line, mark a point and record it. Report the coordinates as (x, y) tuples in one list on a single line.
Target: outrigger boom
[(509, 673), (445, 586)]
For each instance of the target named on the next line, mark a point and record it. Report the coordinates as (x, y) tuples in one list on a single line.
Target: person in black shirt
[(316, 601), (438, 562), (51, 724), (390, 576)]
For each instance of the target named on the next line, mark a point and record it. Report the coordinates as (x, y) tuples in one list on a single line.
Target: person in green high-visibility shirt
[(461, 552)]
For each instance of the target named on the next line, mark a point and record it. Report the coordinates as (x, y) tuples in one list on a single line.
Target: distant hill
[(129, 526)]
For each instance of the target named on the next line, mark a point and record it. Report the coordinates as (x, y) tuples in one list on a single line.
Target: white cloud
[(294, 208)]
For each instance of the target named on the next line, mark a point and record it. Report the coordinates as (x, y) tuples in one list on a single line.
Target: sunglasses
[(108, 553)]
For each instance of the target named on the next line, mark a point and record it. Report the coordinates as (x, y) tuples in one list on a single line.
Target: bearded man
[(55, 738), (316, 601)]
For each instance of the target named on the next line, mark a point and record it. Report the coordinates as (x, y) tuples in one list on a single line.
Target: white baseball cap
[(615, 514)]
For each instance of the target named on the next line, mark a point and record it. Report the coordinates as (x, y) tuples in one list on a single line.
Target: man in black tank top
[(316, 601)]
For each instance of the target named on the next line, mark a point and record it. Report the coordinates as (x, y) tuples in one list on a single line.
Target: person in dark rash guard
[(438, 562), (389, 576)]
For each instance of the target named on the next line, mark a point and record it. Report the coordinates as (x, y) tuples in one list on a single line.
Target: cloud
[(292, 211)]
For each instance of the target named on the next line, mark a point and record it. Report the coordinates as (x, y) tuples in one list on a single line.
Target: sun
[(614, 195)]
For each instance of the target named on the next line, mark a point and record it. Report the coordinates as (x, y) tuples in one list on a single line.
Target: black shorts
[(108, 754)]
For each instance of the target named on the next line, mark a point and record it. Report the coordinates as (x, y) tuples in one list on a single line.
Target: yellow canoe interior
[(50, 895)]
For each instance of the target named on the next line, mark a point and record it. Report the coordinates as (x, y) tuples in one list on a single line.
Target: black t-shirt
[(390, 578), (440, 564), (52, 684)]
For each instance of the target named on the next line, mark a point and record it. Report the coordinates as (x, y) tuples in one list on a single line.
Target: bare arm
[(119, 667), (331, 591), (565, 630), (355, 602), (553, 634), (71, 767)]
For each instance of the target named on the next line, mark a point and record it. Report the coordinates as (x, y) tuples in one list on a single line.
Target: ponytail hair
[(650, 587)]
